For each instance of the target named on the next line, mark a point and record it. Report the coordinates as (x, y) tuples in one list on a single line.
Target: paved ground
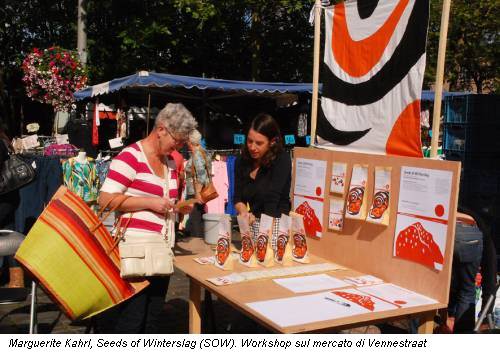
[(14, 318)]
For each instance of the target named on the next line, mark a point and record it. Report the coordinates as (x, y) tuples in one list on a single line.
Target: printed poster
[(339, 172), (312, 211), (310, 176), (336, 214), (309, 193), (422, 217)]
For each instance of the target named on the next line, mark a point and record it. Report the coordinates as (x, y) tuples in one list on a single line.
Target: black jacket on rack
[(8, 201)]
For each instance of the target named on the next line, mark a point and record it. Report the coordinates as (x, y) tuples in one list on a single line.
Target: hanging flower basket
[(52, 76)]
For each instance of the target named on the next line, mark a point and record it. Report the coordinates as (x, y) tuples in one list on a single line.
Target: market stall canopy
[(153, 80), (162, 82), (429, 94)]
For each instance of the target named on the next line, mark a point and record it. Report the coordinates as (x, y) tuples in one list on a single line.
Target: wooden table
[(237, 295)]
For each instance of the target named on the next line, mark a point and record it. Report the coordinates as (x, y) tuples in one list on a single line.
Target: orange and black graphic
[(223, 250), (261, 247), (247, 249), (281, 243), (299, 246), (372, 76), (380, 204), (355, 200)]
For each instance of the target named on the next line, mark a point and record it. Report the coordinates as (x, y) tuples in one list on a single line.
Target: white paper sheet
[(311, 283), (338, 182), (310, 177), (364, 280), (397, 295), (303, 310), (336, 214)]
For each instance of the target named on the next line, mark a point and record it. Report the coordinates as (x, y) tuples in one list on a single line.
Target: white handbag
[(148, 254), (145, 254)]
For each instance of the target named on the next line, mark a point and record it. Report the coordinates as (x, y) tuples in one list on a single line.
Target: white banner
[(255, 343)]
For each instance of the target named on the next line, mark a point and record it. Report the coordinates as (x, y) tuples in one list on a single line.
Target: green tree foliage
[(232, 39), (25, 24), (473, 47)]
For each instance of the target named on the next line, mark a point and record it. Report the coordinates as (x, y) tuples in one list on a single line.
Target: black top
[(269, 193), (8, 201)]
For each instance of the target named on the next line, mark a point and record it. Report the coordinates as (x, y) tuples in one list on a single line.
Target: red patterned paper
[(416, 244), (361, 300), (311, 221)]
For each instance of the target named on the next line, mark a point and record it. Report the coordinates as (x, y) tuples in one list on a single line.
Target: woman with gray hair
[(197, 168), (146, 172)]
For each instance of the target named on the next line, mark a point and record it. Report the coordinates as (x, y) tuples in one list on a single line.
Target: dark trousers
[(195, 226), (466, 262), (141, 314)]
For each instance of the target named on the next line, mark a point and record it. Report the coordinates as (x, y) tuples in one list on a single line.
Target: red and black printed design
[(247, 249), (380, 204), (372, 76), (417, 244), (262, 241), (222, 250), (361, 300), (281, 243), (355, 200), (312, 224), (299, 250)]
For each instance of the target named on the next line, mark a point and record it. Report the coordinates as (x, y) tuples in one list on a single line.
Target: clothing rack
[(109, 152), (224, 151)]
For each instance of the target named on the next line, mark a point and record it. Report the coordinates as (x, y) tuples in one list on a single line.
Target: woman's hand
[(161, 205), (185, 209), (251, 218)]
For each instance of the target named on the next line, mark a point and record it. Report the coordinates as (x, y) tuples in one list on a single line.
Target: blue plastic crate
[(472, 108)]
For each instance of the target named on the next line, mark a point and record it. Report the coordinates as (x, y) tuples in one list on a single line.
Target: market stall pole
[(317, 34), (149, 112), (436, 116)]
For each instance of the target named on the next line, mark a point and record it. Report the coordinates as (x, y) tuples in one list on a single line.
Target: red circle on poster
[(439, 210), (400, 302), (318, 191)]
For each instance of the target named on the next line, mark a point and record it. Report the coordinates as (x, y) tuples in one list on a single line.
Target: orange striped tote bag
[(75, 259)]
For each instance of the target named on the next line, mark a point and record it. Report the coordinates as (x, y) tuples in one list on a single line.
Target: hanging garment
[(81, 178), (60, 149), (102, 167), (36, 195), (221, 183), (230, 209)]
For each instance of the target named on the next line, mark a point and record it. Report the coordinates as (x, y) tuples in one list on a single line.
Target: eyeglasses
[(177, 141)]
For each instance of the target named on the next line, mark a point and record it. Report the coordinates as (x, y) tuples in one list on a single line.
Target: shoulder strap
[(204, 155)]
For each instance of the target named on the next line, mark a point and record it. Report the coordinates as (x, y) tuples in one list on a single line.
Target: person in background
[(8, 204), (179, 164), (196, 177), (146, 171), (263, 173), (467, 254)]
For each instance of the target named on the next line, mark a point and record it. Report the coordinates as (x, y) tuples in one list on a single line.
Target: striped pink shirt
[(131, 174)]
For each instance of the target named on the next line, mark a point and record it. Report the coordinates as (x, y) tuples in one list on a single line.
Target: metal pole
[(436, 116), (317, 34), (149, 112), (81, 34)]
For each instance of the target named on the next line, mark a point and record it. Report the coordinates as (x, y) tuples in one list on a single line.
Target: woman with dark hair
[(263, 172)]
